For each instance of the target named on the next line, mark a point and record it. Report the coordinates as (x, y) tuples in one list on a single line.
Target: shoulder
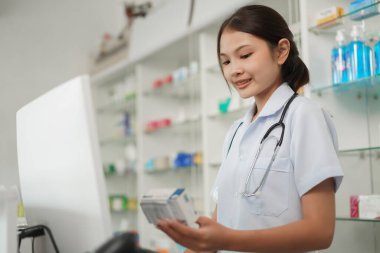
[(304, 105), (305, 109), (307, 114)]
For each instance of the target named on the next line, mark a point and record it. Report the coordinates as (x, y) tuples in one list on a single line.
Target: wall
[(44, 43)]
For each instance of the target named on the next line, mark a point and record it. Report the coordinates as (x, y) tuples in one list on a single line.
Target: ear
[(283, 51)]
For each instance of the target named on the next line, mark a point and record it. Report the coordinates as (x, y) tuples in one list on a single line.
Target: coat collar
[(276, 101)]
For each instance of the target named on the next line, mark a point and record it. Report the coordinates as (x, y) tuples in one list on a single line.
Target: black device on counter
[(122, 243)]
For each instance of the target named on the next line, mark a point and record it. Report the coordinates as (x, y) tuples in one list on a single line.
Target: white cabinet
[(115, 97), (355, 107)]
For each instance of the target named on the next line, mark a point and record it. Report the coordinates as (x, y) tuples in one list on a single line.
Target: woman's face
[(249, 64)]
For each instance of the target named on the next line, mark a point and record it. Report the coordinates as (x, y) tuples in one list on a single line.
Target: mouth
[(243, 83)]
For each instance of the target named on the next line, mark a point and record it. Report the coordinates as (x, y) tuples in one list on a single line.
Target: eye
[(245, 56), (226, 62)]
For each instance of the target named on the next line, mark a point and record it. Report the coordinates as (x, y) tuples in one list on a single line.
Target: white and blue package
[(160, 204)]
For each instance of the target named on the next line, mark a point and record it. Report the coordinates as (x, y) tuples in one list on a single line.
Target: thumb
[(203, 221)]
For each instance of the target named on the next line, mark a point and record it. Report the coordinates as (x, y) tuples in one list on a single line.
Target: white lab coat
[(306, 158)]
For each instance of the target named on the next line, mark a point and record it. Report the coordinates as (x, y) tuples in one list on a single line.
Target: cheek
[(265, 69)]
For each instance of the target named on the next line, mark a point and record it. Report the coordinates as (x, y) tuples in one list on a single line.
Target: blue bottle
[(339, 60), (376, 50), (359, 61)]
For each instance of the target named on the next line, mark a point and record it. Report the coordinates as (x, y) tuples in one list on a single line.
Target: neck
[(262, 98)]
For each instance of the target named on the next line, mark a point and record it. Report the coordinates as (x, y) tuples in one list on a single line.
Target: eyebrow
[(237, 49)]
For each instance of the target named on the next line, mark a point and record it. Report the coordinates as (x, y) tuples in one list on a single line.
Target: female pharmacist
[(275, 190)]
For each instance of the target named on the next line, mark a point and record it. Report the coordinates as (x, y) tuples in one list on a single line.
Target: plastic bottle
[(358, 55), (376, 50), (368, 57), (338, 59)]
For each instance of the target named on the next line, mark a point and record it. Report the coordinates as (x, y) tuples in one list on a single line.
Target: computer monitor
[(60, 169)]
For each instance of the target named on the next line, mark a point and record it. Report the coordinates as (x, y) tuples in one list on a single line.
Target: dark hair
[(269, 25)]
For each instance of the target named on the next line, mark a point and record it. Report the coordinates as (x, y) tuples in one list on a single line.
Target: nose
[(236, 69)]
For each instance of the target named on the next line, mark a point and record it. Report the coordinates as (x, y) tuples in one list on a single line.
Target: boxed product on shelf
[(132, 204), (162, 163), (180, 74), (329, 16), (149, 165), (224, 104), (354, 206), (156, 124), (167, 79), (362, 9), (118, 202), (157, 84), (197, 159), (183, 160), (369, 206)]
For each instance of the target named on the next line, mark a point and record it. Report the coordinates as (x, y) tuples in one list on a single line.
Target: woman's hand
[(210, 236)]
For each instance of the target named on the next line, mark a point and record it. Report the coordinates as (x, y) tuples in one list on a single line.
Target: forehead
[(231, 40)]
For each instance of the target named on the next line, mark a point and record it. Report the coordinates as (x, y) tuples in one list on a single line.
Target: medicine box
[(369, 206), (328, 17), (160, 204)]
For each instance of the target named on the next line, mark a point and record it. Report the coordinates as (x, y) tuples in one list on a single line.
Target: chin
[(246, 94)]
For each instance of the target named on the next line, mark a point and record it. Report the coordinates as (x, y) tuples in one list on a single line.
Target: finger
[(177, 237), (185, 230)]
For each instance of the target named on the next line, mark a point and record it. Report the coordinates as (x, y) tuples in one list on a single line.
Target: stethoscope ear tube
[(278, 124)]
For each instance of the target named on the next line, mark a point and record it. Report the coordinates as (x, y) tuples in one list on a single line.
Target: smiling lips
[(243, 83)]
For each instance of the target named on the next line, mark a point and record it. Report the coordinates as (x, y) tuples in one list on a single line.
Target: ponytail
[(295, 72)]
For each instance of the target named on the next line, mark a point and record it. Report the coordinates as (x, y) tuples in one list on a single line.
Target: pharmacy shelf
[(179, 127), (341, 22), (214, 69), (168, 170), (126, 104), (130, 172), (124, 211), (356, 219), (357, 85), (184, 89), (360, 151), (118, 141), (233, 114)]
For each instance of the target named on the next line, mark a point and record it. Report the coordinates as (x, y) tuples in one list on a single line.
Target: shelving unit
[(115, 96), (343, 21), (355, 107)]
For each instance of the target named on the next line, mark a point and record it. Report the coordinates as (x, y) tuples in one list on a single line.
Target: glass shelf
[(215, 69), (182, 89), (160, 171), (129, 172), (118, 140), (359, 151), (123, 105), (215, 165), (356, 219), (230, 114), (357, 85), (342, 21), (182, 127), (124, 211)]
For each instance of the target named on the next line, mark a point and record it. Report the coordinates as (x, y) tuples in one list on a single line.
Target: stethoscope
[(279, 124)]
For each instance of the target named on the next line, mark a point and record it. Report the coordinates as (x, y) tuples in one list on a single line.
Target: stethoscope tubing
[(279, 124)]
